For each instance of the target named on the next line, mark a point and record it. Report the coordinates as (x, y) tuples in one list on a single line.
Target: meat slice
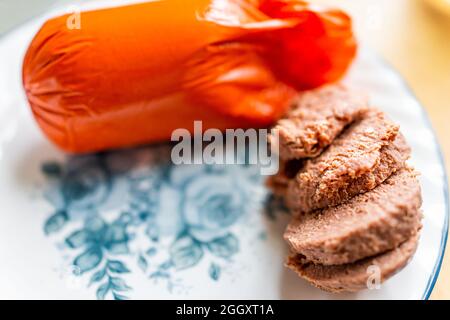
[(355, 276), (361, 158), (316, 119), (368, 224)]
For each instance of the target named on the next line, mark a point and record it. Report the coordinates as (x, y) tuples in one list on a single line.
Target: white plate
[(128, 225)]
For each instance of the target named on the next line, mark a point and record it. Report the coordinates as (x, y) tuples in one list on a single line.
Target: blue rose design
[(213, 200), (85, 186), (80, 189), (212, 204), (188, 213)]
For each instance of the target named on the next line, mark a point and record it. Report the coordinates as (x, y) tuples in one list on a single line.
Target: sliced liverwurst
[(355, 276), (316, 119), (365, 155), (366, 225)]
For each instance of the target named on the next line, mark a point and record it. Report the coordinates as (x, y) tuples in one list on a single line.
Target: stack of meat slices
[(355, 202)]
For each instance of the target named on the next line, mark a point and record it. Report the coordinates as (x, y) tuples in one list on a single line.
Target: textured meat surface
[(365, 155), (343, 175), (368, 224), (316, 119), (354, 276)]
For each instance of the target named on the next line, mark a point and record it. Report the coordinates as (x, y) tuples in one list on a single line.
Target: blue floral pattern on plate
[(108, 205)]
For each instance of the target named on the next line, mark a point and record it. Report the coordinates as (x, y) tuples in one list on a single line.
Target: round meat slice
[(368, 224), (358, 275), (316, 118), (360, 159)]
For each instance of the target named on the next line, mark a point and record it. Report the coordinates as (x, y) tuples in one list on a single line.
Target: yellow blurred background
[(414, 36)]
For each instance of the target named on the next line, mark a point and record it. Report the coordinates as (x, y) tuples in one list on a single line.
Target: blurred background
[(412, 35)]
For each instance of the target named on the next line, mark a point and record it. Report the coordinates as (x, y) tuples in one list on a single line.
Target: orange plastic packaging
[(133, 74)]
